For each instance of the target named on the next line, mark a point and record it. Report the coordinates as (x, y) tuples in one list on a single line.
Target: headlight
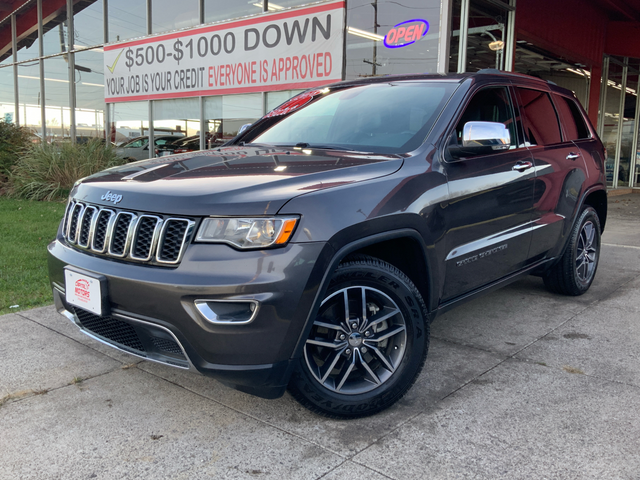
[(247, 232)]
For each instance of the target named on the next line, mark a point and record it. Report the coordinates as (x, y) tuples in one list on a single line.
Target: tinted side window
[(541, 122), (489, 105), (137, 144), (575, 126)]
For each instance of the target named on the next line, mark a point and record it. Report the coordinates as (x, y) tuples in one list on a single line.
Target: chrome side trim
[(210, 316), (487, 242)]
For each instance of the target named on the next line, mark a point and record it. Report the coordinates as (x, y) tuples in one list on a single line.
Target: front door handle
[(572, 156), (522, 166)]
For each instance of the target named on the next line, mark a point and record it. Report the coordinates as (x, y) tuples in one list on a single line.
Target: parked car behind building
[(138, 148)]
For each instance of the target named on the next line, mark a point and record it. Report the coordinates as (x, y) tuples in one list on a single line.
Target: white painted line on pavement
[(621, 246)]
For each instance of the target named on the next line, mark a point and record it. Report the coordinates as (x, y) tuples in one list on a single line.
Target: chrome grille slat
[(121, 234), (70, 206), (146, 237), (137, 237), (74, 220), (172, 239), (86, 222), (104, 221)]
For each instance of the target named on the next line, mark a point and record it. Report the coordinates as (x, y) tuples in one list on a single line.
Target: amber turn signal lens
[(286, 231)]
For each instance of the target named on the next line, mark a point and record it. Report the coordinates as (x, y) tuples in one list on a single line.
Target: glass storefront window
[(611, 119), (127, 19), (280, 4), (168, 15), (7, 99), (129, 120), (6, 57), (218, 10), (29, 92), (56, 87), (28, 46), (226, 114), (56, 39), (276, 98), (178, 117), (367, 54), (628, 125), (88, 24), (89, 93)]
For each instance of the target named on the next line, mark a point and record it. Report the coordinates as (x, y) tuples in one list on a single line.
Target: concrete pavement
[(520, 384)]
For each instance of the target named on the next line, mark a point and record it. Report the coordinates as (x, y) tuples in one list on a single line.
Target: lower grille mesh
[(167, 345), (112, 329), (144, 340)]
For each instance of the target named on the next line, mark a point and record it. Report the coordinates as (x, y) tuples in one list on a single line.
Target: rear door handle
[(522, 166), (572, 156)]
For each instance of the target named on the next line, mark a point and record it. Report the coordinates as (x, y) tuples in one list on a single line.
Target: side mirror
[(244, 127), (481, 138)]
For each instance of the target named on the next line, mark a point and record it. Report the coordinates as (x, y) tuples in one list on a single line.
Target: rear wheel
[(367, 344), (575, 271)]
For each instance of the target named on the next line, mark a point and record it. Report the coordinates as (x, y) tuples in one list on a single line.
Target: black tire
[(575, 271), (359, 368)]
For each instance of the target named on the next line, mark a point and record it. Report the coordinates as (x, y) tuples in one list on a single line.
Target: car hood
[(249, 180)]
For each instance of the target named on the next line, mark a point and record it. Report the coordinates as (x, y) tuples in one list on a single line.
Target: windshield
[(378, 118)]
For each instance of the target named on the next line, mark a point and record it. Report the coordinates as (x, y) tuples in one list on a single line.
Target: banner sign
[(290, 49)]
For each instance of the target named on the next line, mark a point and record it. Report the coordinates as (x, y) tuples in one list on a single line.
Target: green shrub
[(13, 141), (48, 172)]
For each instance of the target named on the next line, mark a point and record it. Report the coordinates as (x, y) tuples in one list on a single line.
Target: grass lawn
[(25, 230)]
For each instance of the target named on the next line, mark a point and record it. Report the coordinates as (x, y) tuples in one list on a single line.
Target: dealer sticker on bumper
[(83, 291)]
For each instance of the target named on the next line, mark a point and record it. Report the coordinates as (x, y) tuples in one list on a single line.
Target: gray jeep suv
[(313, 250)]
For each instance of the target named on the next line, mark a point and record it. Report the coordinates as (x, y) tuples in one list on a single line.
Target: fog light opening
[(223, 312)]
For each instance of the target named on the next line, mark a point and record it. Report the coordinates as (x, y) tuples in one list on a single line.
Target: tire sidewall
[(587, 215)]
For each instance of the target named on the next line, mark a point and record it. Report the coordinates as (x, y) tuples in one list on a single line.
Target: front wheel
[(575, 271), (367, 344)]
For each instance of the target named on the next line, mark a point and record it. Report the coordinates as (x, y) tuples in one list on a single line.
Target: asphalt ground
[(520, 384)]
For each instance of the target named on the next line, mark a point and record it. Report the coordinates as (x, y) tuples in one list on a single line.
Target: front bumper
[(158, 303)]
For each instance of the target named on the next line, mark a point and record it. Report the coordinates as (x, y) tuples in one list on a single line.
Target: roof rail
[(494, 71)]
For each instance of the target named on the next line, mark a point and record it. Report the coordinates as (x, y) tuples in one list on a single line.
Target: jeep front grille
[(127, 235)]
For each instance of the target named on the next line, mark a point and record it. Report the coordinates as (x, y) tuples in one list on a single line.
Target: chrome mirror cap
[(486, 134)]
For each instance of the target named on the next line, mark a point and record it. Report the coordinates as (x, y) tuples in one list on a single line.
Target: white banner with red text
[(289, 49)]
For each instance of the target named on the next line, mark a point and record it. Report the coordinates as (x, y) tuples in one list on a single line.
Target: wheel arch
[(597, 198)]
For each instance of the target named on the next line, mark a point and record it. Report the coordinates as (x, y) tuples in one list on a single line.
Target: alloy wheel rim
[(586, 253), (357, 341)]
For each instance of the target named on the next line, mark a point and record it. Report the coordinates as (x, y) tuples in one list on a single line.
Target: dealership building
[(72, 69)]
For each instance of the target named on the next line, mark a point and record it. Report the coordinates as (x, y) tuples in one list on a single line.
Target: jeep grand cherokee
[(314, 249)]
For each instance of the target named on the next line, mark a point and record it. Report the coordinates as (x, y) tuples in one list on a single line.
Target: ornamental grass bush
[(14, 141), (48, 172)]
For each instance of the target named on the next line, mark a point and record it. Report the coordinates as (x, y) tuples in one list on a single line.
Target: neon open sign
[(406, 33)]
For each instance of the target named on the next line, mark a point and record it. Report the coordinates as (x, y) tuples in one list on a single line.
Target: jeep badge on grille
[(111, 197)]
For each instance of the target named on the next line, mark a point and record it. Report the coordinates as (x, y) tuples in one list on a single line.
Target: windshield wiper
[(324, 147)]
